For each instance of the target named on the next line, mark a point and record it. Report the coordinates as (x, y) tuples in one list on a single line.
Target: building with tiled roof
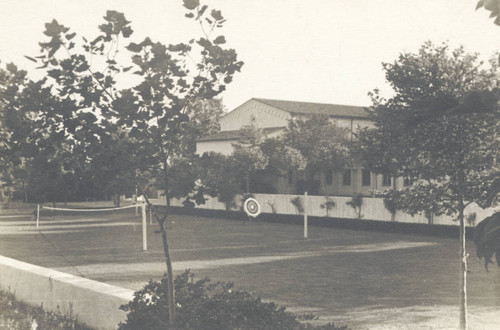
[(273, 117)]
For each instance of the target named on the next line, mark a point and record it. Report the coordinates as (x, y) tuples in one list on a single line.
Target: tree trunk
[(463, 268), (168, 261), (170, 279)]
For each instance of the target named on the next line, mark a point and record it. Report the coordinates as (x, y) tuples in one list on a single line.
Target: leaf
[(202, 11), (30, 58), (70, 36), (127, 31), (205, 43), (133, 47), (217, 15), (191, 4), (98, 75), (53, 29), (189, 15), (220, 40)]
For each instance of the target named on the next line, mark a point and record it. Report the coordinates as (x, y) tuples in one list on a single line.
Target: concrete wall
[(372, 208), (93, 303)]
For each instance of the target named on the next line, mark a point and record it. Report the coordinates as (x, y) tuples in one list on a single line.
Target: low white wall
[(93, 303), (372, 208)]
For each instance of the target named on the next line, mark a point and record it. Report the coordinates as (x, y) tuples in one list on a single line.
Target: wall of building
[(223, 147), (265, 116), (337, 187)]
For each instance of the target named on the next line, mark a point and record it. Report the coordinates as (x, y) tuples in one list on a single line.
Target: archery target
[(252, 207)]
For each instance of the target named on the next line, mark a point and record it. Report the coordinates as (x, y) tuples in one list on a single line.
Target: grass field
[(367, 280)]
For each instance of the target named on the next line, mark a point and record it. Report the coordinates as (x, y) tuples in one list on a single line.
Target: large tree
[(36, 156), (322, 145), (247, 152), (155, 111), (440, 131)]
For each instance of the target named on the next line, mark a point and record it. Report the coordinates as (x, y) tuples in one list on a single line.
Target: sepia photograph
[(250, 165)]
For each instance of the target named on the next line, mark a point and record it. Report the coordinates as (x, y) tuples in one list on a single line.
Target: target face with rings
[(252, 207)]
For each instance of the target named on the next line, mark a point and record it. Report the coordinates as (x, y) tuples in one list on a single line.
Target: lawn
[(360, 278)]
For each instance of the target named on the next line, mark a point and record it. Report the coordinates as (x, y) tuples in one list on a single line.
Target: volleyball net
[(47, 217)]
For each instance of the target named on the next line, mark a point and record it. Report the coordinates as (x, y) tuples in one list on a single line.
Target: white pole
[(37, 215), (305, 214), (134, 199), (144, 228)]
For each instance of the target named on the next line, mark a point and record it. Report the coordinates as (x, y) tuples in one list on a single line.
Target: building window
[(290, 176), (346, 178), (366, 178), (329, 177), (386, 180)]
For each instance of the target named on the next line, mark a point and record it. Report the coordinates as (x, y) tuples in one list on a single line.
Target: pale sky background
[(327, 51)]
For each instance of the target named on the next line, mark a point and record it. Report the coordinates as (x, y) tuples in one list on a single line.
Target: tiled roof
[(234, 135), (308, 108)]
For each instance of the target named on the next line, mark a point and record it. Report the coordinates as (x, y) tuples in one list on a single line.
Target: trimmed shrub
[(391, 205), (329, 204), (201, 304), (356, 202), (297, 202)]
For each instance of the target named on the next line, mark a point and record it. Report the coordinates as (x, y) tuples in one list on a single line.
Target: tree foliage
[(155, 111), (161, 112), (487, 239), (247, 152), (439, 130), (493, 6), (219, 176), (322, 144), (202, 304)]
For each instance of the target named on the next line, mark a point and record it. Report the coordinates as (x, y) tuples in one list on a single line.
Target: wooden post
[(305, 214), (144, 228)]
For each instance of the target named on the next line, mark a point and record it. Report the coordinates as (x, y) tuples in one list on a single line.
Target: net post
[(37, 215), (305, 214), (144, 227)]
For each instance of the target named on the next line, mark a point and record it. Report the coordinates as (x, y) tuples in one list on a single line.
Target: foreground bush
[(18, 315), (204, 305)]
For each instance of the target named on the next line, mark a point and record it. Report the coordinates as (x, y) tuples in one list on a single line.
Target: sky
[(325, 51)]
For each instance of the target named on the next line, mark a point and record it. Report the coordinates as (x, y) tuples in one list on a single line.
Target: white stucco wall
[(265, 116), (223, 147), (371, 209)]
